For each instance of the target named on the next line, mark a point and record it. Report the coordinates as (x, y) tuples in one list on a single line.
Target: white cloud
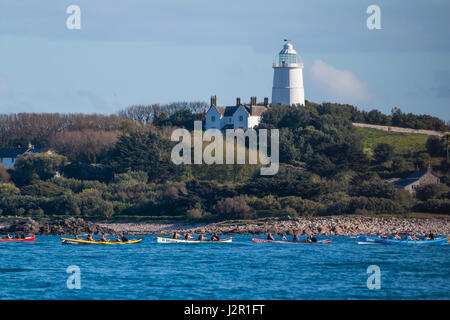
[(339, 85)]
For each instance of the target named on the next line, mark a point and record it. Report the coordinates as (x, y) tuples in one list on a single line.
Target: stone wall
[(402, 130)]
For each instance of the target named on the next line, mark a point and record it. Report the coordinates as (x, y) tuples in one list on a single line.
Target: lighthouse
[(288, 77)]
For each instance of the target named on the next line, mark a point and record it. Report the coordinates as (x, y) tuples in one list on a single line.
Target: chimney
[(252, 101), (213, 100), (238, 101), (266, 102)]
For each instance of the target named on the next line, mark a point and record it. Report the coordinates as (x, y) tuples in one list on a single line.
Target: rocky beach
[(331, 225)]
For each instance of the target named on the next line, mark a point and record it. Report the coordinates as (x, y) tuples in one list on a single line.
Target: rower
[(397, 237), (311, 238), (175, 235), (270, 236), (283, 237), (77, 237), (8, 236), (90, 238), (296, 237), (22, 236), (201, 238), (124, 239), (103, 238), (187, 236), (118, 238), (215, 237), (430, 236)]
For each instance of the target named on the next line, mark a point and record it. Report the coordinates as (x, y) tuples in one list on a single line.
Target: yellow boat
[(82, 241)]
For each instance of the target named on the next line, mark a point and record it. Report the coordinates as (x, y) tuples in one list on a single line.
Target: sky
[(159, 51)]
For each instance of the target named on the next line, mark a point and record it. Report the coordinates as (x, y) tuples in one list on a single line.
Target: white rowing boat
[(172, 240)]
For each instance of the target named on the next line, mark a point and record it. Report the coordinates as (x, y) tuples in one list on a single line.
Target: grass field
[(402, 142)]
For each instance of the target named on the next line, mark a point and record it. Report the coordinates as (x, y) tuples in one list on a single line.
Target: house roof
[(228, 111), (414, 177), (15, 152), (255, 110)]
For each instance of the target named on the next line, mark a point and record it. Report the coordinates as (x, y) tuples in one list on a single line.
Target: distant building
[(8, 156), (242, 116), (288, 78), (415, 180)]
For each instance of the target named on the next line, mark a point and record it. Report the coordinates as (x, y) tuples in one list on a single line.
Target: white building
[(242, 116), (8, 156), (288, 78)]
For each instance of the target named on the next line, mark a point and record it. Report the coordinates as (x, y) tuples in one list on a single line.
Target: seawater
[(237, 270)]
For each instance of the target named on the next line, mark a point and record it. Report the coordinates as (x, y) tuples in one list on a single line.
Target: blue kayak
[(380, 240)]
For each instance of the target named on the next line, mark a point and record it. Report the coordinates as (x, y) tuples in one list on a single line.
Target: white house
[(242, 116), (8, 156)]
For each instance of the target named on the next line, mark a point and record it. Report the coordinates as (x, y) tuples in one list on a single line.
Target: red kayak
[(27, 239), (255, 240)]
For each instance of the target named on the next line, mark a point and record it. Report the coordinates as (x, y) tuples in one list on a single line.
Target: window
[(213, 118), (241, 118), (229, 120)]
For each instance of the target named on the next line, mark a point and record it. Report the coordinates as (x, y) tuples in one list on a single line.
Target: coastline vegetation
[(118, 166)]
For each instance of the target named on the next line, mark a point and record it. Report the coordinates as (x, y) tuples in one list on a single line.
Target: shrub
[(234, 208)]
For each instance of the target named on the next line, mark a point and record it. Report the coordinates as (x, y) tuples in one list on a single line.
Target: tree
[(37, 166), (4, 175), (383, 152), (142, 151), (435, 146)]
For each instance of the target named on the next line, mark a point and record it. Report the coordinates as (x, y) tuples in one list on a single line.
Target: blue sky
[(143, 52)]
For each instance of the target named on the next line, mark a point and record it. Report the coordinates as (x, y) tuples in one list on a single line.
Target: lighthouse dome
[(287, 55)]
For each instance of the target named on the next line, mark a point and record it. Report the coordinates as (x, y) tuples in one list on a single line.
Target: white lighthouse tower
[(288, 77)]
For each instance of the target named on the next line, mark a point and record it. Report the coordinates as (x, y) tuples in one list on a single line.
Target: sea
[(46, 269)]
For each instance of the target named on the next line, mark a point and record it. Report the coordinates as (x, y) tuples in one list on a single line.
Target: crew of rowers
[(18, 236), (413, 237), (295, 237), (89, 237), (187, 236)]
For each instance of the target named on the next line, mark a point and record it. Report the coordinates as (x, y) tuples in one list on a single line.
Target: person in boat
[(187, 236), (296, 237), (117, 238), (76, 237), (17, 236), (201, 238), (103, 238), (22, 236), (430, 236), (176, 235), (215, 237), (124, 239), (90, 238), (8, 236), (270, 236), (311, 238), (397, 237), (413, 237), (283, 237)]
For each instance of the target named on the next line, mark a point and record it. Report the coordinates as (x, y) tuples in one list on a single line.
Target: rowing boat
[(255, 240), (380, 240), (172, 240), (81, 241), (27, 239)]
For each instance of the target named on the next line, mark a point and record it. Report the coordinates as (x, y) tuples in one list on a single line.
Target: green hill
[(402, 142)]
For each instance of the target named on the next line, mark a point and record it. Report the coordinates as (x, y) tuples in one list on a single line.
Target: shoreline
[(330, 225)]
